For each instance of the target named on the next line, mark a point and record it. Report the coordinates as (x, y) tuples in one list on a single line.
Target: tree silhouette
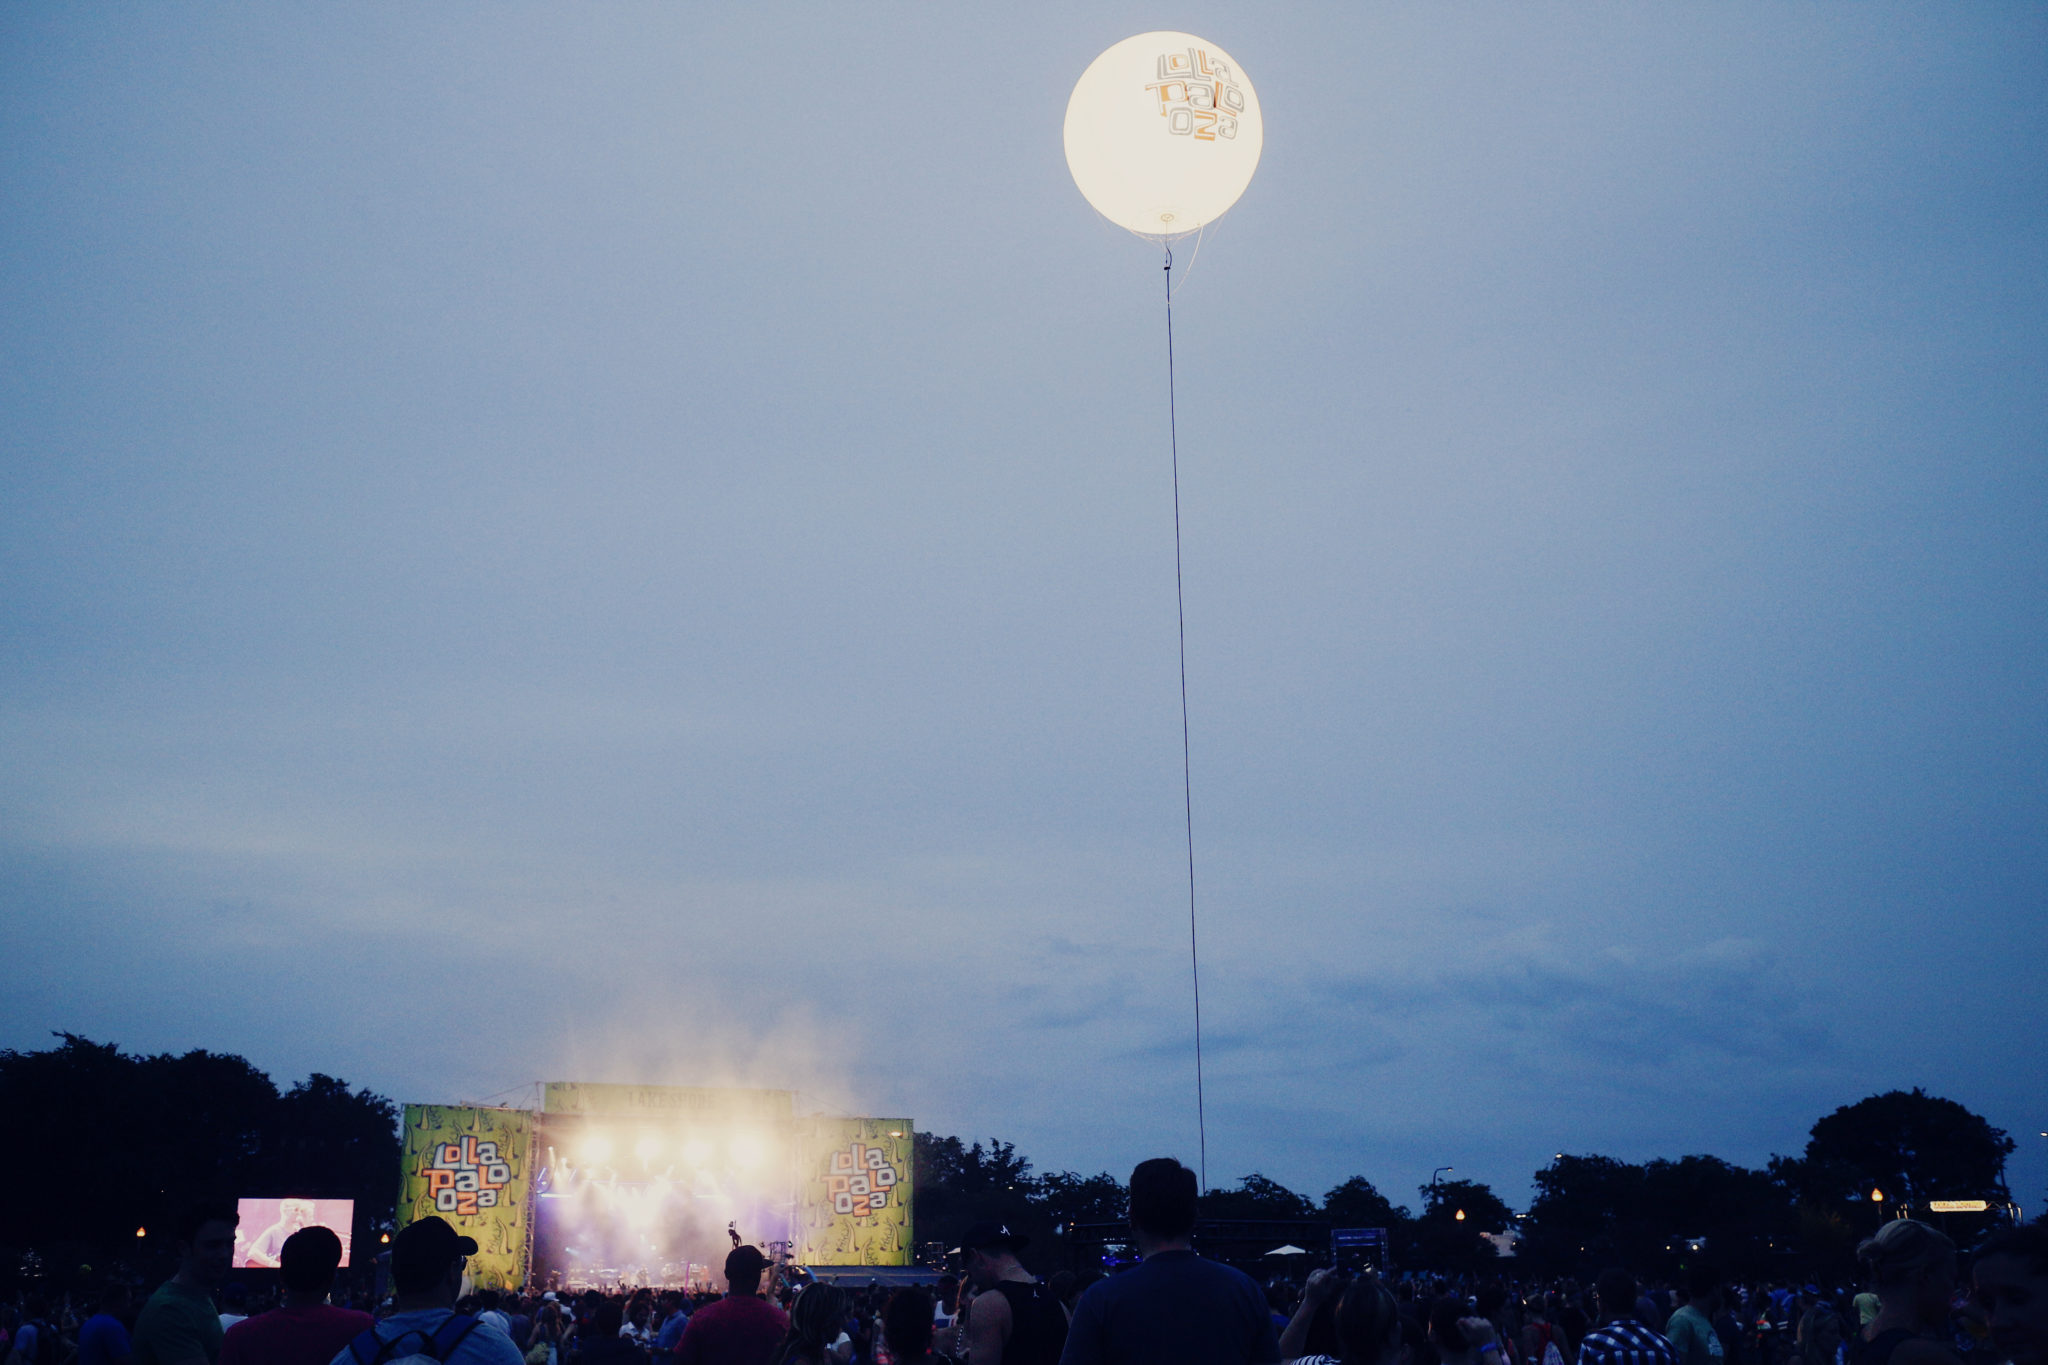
[(1587, 1213), (98, 1143), (1440, 1238), (1913, 1146), (1357, 1204), (1256, 1197), (1592, 1211)]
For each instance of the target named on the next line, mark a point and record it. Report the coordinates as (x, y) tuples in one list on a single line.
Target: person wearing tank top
[(1912, 1266), (1013, 1320)]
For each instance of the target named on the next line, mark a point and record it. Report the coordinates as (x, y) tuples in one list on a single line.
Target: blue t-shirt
[(1175, 1308), (671, 1332), (486, 1344), (103, 1341)]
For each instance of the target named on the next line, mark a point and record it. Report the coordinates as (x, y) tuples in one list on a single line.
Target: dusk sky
[(635, 542)]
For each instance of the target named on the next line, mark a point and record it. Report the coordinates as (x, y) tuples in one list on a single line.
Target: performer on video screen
[(267, 1248)]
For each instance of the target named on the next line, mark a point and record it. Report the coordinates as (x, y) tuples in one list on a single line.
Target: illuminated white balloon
[(1163, 133)]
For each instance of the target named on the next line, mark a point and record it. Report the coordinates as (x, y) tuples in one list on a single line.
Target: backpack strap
[(382, 1350), (450, 1334)]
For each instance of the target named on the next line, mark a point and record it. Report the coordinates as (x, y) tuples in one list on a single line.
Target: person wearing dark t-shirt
[(103, 1340), (740, 1329), (1013, 1320), (605, 1343), (307, 1330), (1174, 1308), (180, 1325)]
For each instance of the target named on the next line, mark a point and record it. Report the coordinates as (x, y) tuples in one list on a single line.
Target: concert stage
[(610, 1185)]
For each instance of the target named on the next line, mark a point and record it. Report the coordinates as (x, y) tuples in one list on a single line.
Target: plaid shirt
[(1626, 1342)]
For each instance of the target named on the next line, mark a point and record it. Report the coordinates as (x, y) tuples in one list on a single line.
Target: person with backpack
[(427, 1259), (37, 1340), (1543, 1341)]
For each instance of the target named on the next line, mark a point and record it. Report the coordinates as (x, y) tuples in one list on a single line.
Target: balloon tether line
[(1193, 256), (1187, 788)]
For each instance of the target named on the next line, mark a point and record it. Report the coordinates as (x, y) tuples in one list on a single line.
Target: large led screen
[(267, 1222)]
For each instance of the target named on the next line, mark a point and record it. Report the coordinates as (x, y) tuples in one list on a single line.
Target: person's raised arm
[(1322, 1286), (1481, 1340)]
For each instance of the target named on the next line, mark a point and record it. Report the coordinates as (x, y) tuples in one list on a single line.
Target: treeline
[(96, 1145), (1799, 1216)]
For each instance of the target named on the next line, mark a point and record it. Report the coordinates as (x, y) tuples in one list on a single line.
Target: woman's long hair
[(907, 1324), (1820, 1335), (1368, 1323), (815, 1321)]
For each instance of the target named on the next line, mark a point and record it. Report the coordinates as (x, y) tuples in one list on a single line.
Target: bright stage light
[(597, 1147), (747, 1151), (696, 1151), (647, 1148)]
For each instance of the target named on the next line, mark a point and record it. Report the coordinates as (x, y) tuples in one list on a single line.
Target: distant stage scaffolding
[(608, 1185)]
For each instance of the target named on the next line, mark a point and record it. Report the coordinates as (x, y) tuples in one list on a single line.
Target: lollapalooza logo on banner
[(859, 1179), (1198, 95), (466, 1176)]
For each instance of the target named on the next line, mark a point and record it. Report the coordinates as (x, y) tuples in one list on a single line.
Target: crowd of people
[(1914, 1305)]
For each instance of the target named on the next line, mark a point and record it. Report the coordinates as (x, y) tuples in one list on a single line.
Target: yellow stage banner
[(668, 1102), (853, 1196), (472, 1167)]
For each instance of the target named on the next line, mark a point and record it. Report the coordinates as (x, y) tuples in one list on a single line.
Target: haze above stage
[(607, 1184)]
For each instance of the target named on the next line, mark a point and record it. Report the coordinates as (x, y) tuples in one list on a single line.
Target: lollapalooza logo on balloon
[(1162, 133), (1198, 95), (859, 1178)]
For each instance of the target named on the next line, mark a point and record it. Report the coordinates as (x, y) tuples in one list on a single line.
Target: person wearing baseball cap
[(1013, 1319), (427, 1261), (740, 1329)]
